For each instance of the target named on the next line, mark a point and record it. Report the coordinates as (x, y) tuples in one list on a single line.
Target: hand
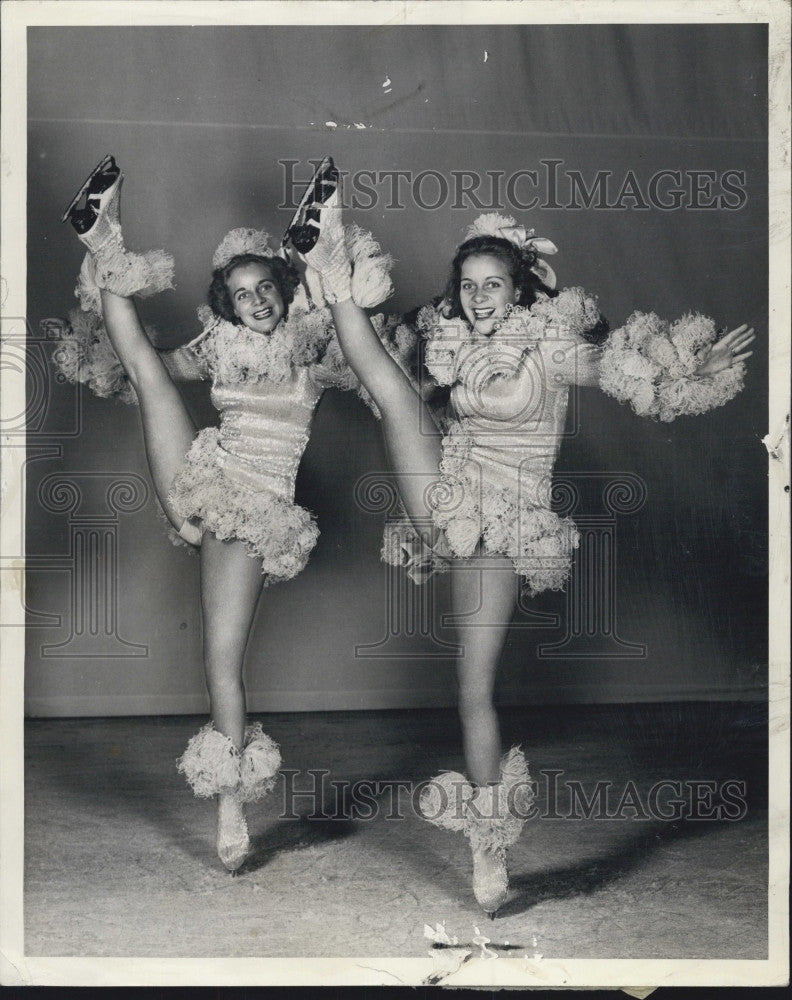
[(728, 351)]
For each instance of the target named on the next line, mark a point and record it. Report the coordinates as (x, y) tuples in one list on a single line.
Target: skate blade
[(325, 167), (98, 169)]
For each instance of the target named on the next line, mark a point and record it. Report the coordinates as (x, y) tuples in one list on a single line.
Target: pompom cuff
[(354, 267), (259, 764), (491, 816), (123, 273), (652, 365), (84, 354), (371, 268), (696, 395), (212, 764), (443, 800)]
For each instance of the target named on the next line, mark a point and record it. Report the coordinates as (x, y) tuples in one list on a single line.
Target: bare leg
[(494, 589), (415, 453), (414, 449), (411, 437), (168, 429), (231, 583)]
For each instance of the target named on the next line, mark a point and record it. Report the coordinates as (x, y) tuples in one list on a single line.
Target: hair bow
[(535, 245)]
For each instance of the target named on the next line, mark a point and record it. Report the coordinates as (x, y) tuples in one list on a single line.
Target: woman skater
[(509, 346), (227, 490)]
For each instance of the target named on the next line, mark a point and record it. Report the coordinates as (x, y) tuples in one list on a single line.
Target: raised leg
[(493, 591), (168, 429), (411, 437)]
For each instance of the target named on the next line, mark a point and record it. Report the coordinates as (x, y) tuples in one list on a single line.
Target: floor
[(120, 858)]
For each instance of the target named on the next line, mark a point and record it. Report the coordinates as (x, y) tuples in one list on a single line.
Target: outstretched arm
[(670, 370)]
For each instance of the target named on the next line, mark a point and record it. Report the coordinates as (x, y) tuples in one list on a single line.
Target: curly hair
[(518, 265), (283, 274)]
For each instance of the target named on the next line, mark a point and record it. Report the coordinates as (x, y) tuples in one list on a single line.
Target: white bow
[(525, 239)]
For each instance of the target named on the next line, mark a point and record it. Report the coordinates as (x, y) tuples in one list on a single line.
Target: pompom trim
[(571, 313), (212, 764), (492, 816), (651, 365), (279, 533)]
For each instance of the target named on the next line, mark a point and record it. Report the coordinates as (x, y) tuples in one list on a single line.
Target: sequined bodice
[(513, 421), (264, 428)]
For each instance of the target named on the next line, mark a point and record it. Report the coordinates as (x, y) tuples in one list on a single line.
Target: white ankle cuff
[(337, 283)]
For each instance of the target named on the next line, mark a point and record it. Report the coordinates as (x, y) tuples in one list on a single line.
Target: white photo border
[(18, 969)]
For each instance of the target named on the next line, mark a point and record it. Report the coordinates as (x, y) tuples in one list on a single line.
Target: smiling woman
[(254, 291), (510, 347), (257, 299), (228, 490)]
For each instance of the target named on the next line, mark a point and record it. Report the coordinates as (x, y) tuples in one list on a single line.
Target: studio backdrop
[(639, 151)]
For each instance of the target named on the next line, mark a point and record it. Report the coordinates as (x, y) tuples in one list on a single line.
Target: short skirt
[(277, 531), (478, 516)]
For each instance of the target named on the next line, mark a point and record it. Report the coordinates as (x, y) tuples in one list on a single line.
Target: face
[(255, 297), (485, 289)]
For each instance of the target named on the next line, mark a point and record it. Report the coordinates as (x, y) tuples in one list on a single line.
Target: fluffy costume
[(238, 479), (214, 766), (239, 499), (491, 817), (651, 364), (508, 406)]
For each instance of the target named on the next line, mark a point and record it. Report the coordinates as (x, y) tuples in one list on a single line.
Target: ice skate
[(94, 210)]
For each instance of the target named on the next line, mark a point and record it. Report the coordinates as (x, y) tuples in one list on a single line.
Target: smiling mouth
[(263, 313), (484, 313)]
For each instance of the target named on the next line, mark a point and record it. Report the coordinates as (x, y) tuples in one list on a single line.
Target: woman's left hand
[(727, 351)]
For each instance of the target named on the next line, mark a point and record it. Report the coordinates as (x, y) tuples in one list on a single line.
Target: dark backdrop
[(199, 118)]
